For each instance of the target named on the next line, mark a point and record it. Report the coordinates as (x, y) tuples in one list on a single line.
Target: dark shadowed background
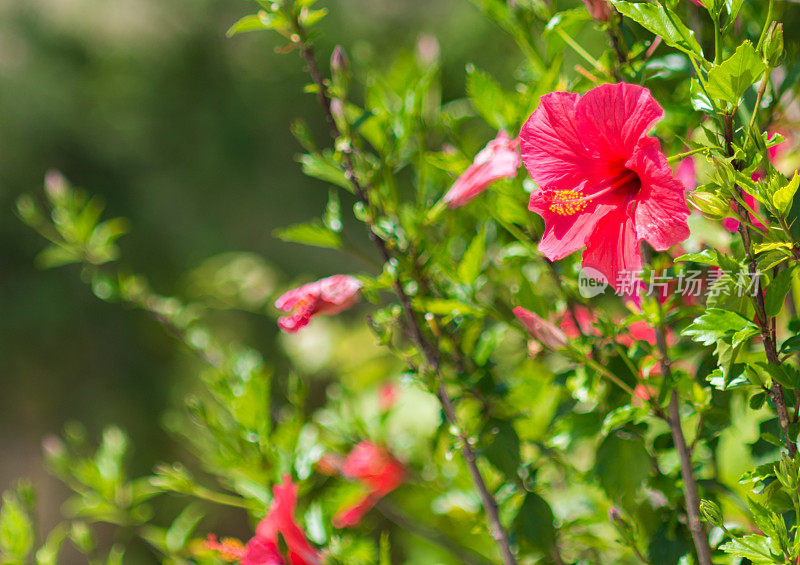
[(186, 133)]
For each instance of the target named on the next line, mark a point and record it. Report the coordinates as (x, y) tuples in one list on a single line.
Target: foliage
[(517, 448)]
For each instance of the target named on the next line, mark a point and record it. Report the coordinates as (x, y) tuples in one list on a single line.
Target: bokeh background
[(186, 133)]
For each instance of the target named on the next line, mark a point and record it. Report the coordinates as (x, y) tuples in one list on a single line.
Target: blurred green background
[(186, 133)]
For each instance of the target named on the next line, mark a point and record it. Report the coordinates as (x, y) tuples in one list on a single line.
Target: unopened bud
[(709, 203), (339, 62), (55, 185), (711, 512), (540, 329), (773, 44)]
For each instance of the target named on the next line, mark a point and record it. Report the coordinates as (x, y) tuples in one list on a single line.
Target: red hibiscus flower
[(603, 183), (325, 296), (263, 548), (499, 159), (375, 468)]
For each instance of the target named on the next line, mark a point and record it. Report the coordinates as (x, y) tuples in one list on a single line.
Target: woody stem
[(429, 352), (690, 492), (764, 322)]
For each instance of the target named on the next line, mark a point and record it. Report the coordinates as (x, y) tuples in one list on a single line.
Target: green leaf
[(705, 257), (777, 291), (470, 266), (730, 79), (312, 233), (623, 466), (791, 345), (16, 529), (534, 523), (717, 324), (324, 167), (182, 527), (256, 22), (753, 547), (490, 100), (445, 307), (784, 197), (503, 448), (664, 23)]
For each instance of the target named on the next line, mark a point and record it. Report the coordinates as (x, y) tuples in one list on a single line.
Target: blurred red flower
[(325, 296), (263, 548), (499, 159), (375, 468)]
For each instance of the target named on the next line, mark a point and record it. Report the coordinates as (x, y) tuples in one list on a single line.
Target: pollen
[(567, 202)]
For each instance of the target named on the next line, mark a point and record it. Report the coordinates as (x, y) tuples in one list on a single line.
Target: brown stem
[(764, 323), (413, 326), (690, 494)]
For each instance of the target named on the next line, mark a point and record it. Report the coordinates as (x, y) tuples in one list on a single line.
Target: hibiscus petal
[(613, 117), (564, 235), (613, 247), (551, 147), (661, 209)]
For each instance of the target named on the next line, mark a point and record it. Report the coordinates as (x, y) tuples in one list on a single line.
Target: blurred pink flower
[(387, 396), (540, 329), (732, 224), (599, 9), (585, 318), (499, 159), (604, 184), (375, 468), (687, 174), (264, 548), (325, 296)]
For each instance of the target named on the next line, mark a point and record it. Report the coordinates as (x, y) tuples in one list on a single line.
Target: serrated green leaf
[(717, 324), (783, 198), (663, 22), (730, 79)]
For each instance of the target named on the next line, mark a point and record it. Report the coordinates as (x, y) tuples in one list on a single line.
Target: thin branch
[(431, 356), (763, 321), (690, 492)]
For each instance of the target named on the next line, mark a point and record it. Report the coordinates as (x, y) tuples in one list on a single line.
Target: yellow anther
[(567, 202)]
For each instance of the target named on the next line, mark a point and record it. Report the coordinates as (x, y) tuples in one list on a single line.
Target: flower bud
[(339, 62), (709, 203), (340, 71), (711, 512), (773, 44), (546, 333)]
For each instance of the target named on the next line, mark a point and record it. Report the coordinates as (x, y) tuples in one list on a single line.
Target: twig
[(690, 493), (431, 356), (764, 324)]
